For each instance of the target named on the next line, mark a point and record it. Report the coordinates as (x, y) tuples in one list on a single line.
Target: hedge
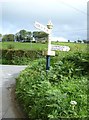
[(57, 94), (18, 57)]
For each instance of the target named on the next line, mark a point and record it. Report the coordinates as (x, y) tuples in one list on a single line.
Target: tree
[(68, 40), (85, 41), (23, 36), (40, 36), (4, 38), (8, 37), (79, 41), (29, 36), (0, 35), (17, 37)]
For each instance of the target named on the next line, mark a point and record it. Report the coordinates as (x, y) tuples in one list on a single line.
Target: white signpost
[(48, 31), (61, 48), (42, 27), (50, 51)]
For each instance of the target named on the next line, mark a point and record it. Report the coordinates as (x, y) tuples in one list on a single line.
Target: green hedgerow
[(46, 96)]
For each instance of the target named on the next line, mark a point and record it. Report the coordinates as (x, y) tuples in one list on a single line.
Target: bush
[(47, 96), (19, 57)]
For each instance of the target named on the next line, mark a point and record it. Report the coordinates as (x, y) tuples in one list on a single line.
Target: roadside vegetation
[(23, 46), (59, 93), (41, 46), (23, 53)]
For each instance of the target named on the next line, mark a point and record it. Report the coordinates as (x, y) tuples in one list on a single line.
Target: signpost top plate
[(42, 27)]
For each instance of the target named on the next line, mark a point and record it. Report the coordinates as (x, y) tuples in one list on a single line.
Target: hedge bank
[(48, 96), (19, 57)]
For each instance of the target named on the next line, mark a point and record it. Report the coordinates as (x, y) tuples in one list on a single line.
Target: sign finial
[(49, 25)]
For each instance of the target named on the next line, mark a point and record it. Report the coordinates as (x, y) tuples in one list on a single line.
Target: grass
[(24, 46), (39, 46)]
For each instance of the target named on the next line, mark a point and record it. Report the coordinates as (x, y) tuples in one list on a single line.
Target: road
[(8, 108)]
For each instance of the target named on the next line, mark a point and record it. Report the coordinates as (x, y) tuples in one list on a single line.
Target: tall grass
[(24, 46), (39, 46)]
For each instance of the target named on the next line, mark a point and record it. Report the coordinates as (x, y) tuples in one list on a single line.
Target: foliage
[(8, 37), (23, 36), (86, 41), (10, 46), (80, 60), (37, 48), (24, 46), (0, 35), (79, 41), (74, 47), (68, 40), (19, 57), (40, 34), (40, 37), (47, 96)]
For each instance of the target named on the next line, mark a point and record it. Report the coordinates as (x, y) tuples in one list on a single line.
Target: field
[(23, 53), (24, 46), (40, 46)]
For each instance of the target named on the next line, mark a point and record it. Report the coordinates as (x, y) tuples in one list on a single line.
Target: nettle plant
[(60, 93)]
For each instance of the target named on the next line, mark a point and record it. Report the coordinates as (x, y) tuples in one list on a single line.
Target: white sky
[(69, 17)]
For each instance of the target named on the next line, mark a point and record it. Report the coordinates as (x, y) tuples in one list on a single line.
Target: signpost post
[(49, 26), (50, 51), (47, 30)]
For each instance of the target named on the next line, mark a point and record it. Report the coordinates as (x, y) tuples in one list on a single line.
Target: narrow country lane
[(8, 73)]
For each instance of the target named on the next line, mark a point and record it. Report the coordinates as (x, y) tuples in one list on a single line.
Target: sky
[(69, 17)]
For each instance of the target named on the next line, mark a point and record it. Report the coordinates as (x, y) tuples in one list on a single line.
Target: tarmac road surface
[(8, 108)]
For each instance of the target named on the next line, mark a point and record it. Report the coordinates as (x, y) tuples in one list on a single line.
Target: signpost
[(61, 48), (49, 26), (50, 51), (47, 30), (41, 27)]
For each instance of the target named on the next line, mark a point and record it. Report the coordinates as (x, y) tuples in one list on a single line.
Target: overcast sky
[(69, 17)]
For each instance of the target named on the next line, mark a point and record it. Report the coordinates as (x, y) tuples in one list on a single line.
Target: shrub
[(19, 57), (47, 96)]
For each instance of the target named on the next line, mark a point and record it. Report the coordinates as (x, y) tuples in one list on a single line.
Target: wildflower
[(73, 103)]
